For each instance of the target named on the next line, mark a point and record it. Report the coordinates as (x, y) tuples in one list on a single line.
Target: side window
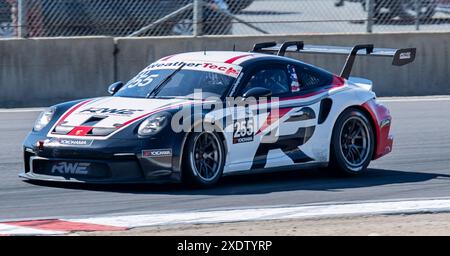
[(274, 78), (310, 79)]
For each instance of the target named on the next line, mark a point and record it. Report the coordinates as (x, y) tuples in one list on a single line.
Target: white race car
[(197, 116)]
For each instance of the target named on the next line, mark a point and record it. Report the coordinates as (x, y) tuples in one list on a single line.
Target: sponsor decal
[(71, 168), (243, 131), (157, 153), (222, 68), (405, 55), (80, 131), (74, 142), (227, 70), (111, 111), (237, 83), (243, 140)]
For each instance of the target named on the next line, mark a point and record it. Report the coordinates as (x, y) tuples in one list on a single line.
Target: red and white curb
[(120, 223), (51, 227)]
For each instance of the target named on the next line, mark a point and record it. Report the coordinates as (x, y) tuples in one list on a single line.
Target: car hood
[(110, 114)]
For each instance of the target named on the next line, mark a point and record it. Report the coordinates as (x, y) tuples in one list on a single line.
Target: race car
[(195, 117)]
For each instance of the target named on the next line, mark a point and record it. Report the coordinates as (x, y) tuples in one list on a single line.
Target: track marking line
[(120, 223), (222, 216)]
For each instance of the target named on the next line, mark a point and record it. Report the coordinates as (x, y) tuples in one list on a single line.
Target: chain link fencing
[(121, 18)]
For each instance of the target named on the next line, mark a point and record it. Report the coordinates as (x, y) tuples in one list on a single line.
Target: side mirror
[(115, 87), (257, 92)]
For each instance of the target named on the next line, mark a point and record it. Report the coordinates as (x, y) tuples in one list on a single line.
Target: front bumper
[(95, 171), (101, 162)]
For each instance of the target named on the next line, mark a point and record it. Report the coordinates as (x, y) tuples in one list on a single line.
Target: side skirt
[(294, 167)]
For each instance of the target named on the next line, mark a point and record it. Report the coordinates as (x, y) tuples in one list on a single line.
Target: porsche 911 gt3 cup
[(195, 117)]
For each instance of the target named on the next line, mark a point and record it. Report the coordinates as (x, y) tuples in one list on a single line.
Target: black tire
[(211, 172), (351, 150)]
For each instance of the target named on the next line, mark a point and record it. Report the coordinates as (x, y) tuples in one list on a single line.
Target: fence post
[(418, 11), (22, 18), (198, 17), (369, 6)]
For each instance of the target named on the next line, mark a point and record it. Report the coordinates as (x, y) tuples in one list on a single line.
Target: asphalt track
[(419, 167)]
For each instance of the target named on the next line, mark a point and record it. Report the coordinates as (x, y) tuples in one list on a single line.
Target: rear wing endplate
[(399, 57)]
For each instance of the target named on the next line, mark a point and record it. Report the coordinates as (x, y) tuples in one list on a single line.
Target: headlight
[(154, 124), (44, 118)]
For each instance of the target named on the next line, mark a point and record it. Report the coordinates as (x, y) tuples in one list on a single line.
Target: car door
[(283, 127), (280, 125)]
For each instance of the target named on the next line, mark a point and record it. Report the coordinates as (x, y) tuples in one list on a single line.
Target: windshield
[(211, 79)]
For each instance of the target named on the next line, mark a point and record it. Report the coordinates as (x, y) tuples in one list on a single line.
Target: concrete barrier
[(428, 75), (42, 72)]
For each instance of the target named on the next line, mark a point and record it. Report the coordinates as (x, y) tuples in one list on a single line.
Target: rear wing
[(399, 57)]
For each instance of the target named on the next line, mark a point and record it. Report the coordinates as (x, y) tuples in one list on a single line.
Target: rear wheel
[(204, 159), (352, 143)]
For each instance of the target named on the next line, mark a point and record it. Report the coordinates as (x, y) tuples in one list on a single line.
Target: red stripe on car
[(230, 61), (167, 58), (272, 118), (338, 81), (68, 113)]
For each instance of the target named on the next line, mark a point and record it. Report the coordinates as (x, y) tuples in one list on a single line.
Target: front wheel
[(352, 143), (204, 159)]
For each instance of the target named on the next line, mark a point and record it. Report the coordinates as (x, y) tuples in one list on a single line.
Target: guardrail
[(41, 72)]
